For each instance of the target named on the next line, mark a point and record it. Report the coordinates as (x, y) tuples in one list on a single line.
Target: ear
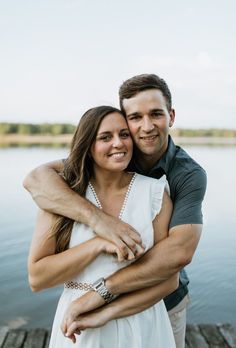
[(172, 117)]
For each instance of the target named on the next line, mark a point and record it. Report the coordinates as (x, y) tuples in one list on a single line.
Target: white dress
[(148, 329)]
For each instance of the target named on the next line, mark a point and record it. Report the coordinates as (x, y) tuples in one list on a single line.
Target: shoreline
[(65, 139)]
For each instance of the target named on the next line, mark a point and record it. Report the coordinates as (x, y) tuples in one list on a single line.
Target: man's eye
[(134, 118), (156, 114)]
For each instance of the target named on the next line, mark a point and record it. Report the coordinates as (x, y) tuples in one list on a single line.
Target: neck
[(145, 161), (105, 180)]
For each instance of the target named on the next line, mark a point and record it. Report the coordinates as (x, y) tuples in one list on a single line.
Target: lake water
[(212, 271)]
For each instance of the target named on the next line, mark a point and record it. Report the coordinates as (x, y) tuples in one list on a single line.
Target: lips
[(117, 154), (149, 137)]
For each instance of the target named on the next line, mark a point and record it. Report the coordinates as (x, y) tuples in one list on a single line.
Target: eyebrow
[(138, 113), (156, 109), (108, 132)]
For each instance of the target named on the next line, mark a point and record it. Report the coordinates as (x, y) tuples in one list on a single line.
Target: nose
[(147, 125), (117, 142)]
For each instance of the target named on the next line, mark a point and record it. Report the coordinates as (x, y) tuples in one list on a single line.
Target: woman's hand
[(86, 303), (91, 320)]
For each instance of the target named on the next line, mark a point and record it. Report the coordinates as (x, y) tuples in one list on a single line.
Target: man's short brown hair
[(139, 83)]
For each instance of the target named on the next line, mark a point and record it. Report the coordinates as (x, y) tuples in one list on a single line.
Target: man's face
[(149, 121)]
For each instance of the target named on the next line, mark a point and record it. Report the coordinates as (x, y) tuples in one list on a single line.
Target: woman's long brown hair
[(78, 167)]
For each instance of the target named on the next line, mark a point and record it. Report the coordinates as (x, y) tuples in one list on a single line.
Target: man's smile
[(149, 137)]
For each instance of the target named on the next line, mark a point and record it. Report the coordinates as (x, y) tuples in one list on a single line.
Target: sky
[(60, 57)]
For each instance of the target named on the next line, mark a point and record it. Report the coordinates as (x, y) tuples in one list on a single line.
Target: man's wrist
[(94, 217), (112, 288), (100, 287)]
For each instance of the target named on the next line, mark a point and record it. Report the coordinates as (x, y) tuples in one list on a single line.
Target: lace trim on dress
[(125, 199)]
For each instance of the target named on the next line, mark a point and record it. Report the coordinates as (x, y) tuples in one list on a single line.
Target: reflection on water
[(211, 271)]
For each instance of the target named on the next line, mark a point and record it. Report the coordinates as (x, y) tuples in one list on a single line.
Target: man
[(146, 102)]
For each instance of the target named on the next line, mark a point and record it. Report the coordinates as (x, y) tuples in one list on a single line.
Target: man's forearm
[(138, 301), (146, 272), (165, 259), (51, 193)]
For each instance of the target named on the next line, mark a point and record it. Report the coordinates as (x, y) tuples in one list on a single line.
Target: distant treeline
[(36, 129), (205, 132), (66, 128)]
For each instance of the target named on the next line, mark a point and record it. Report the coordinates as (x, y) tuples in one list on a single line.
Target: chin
[(119, 168)]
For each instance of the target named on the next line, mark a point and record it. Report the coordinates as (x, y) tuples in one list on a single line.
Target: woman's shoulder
[(150, 191), (151, 181)]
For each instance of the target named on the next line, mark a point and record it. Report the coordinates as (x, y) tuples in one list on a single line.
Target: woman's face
[(112, 148)]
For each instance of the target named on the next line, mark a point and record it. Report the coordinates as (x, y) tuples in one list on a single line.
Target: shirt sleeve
[(188, 199), (158, 187)]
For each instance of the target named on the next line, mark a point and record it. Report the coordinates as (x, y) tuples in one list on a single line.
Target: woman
[(64, 251)]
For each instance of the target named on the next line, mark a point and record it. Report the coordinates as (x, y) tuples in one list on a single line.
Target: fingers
[(132, 246), (134, 235), (123, 248), (72, 338), (139, 250), (119, 255), (75, 327), (124, 252)]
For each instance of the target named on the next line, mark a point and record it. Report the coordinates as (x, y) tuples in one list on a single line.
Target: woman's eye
[(125, 135), (105, 138)]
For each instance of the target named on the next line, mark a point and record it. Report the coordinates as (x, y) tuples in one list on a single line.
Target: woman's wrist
[(98, 246)]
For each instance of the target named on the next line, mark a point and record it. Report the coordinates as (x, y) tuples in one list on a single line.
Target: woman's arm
[(47, 269)]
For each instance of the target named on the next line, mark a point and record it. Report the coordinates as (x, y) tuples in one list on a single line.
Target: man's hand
[(86, 303), (106, 246), (124, 236)]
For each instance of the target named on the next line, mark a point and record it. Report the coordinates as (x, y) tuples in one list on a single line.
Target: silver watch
[(100, 287)]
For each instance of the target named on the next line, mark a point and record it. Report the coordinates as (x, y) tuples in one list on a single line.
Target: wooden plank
[(3, 334), (213, 336), (186, 344), (229, 334), (47, 339), (194, 337), (15, 339), (35, 338)]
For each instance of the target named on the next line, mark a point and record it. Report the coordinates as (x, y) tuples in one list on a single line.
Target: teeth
[(118, 155), (149, 138)]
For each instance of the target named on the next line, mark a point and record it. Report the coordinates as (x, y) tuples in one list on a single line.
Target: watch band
[(100, 287)]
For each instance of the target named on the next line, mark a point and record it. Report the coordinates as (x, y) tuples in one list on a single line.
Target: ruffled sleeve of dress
[(157, 190)]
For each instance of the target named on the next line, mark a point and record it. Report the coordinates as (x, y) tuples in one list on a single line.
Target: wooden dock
[(197, 336)]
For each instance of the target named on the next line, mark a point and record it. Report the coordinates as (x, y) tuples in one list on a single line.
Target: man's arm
[(165, 259), (154, 269), (51, 193), (176, 251), (123, 306)]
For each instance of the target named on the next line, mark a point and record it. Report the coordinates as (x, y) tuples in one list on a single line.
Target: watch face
[(98, 283)]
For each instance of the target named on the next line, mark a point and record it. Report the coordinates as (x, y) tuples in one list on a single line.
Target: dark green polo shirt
[(187, 181)]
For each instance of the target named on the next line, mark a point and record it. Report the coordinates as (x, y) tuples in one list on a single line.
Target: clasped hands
[(84, 313)]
